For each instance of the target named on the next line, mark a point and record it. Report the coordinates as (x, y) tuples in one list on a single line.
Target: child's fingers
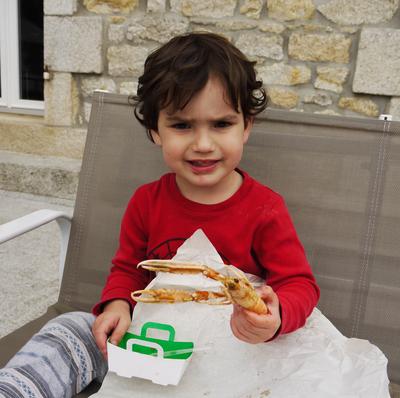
[(255, 328), (101, 330), (251, 320), (267, 294), (244, 334), (119, 331), (270, 298), (244, 330), (272, 320)]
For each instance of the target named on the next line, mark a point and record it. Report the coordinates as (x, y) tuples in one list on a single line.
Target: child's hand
[(114, 320), (253, 328)]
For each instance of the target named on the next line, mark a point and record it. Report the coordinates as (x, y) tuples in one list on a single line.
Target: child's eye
[(222, 124), (181, 126)]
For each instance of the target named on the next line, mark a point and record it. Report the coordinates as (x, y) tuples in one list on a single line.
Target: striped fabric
[(59, 361)]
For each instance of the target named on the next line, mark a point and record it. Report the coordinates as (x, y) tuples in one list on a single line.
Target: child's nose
[(203, 141)]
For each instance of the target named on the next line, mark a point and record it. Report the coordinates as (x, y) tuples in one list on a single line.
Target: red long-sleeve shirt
[(251, 230)]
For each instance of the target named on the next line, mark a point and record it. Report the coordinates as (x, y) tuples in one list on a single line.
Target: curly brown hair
[(179, 69)]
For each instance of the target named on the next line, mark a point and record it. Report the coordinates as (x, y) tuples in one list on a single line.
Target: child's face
[(203, 144)]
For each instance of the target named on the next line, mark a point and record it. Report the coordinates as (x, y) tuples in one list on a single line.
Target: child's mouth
[(203, 166)]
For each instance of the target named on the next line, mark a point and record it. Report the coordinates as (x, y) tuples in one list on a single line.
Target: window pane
[(31, 49)]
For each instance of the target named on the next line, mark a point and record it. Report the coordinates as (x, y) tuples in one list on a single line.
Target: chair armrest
[(21, 225)]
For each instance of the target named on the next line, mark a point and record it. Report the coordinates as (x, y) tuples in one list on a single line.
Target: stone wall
[(318, 56)]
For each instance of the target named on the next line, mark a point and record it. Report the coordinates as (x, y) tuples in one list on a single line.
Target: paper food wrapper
[(315, 361)]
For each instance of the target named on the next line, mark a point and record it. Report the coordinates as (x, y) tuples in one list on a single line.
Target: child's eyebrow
[(229, 117)]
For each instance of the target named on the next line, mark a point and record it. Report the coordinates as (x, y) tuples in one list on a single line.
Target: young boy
[(197, 99)]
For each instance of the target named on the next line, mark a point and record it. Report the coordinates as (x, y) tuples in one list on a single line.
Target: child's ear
[(247, 129), (156, 137)]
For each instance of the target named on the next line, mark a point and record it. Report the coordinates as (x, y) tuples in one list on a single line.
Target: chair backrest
[(338, 175)]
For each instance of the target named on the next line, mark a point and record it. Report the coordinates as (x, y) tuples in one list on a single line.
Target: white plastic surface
[(22, 225), (157, 369)]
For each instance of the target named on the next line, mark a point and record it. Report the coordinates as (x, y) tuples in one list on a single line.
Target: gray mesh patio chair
[(339, 176)]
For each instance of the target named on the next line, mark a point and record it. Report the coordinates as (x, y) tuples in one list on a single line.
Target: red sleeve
[(124, 275), (288, 272)]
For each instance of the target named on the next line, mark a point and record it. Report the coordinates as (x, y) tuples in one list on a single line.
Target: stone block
[(117, 19), (133, 33), (204, 8), (128, 88), (156, 5), (109, 7), (252, 8), (378, 62), (61, 100), (394, 108), (333, 74), (256, 44), (310, 27), (327, 85), (73, 44), (30, 135), (160, 28), (289, 10), (331, 78), (283, 97), (60, 7), (318, 98), (364, 106), (126, 60), (280, 73), (90, 84), (38, 175), (116, 33), (235, 24), (319, 47), (355, 12), (271, 27)]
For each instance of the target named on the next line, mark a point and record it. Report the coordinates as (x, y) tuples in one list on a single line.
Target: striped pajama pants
[(59, 361)]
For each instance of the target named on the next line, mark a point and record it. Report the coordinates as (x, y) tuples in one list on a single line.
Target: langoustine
[(236, 289)]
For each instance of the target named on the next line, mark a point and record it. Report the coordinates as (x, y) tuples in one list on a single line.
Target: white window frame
[(10, 100)]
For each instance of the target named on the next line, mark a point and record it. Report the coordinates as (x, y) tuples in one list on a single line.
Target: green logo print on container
[(170, 349)]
